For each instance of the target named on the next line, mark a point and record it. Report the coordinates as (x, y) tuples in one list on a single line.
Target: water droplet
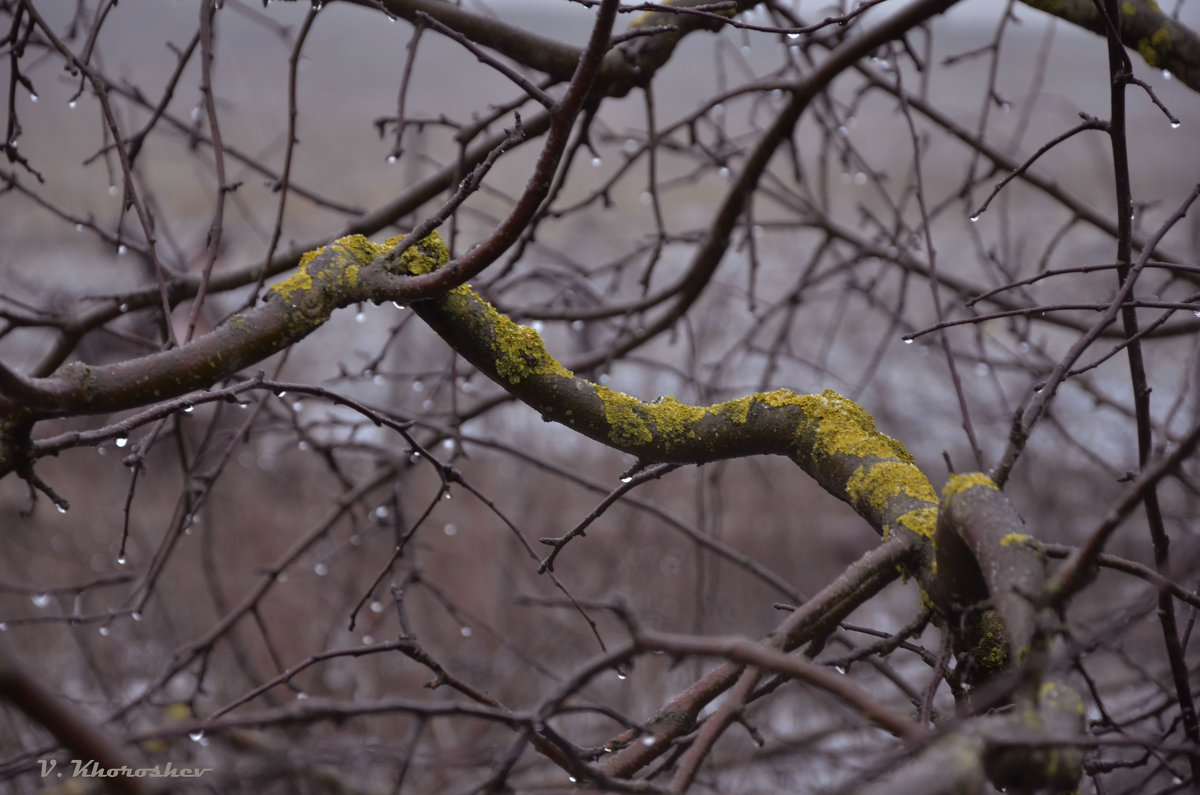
[(136, 616), (72, 104), (597, 162), (61, 506), (104, 632), (121, 560), (537, 326), (3, 627), (33, 97), (860, 178), (320, 569), (377, 607), (78, 227), (392, 158), (398, 305), (121, 441), (361, 317), (450, 529), (297, 406), (908, 340), (975, 218), (1037, 390), (301, 696), (718, 110), (415, 457), (982, 369), (724, 172), (303, 445), (40, 599), (465, 632), (793, 36), (571, 779), (112, 190), (622, 675), (630, 146), (1196, 312), (368, 640), (281, 393), (196, 736), (648, 740), (448, 445), (840, 669), (1175, 125), (627, 479), (576, 325), (195, 113), (381, 512), (1005, 107), (123, 308), (189, 408), (418, 385), (1166, 74), (645, 198), (446, 495)]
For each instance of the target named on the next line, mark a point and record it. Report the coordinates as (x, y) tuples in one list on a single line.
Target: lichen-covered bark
[(829, 436), (1161, 41)]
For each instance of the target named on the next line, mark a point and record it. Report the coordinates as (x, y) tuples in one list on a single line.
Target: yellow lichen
[(1017, 538), (736, 411), (878, 482), (845, 427), (349, 254), (922, 521), (873, 485), (960, 483), (990, 646), (429, 254), (675, 420), (626, 423), (519, 350), (299, 281)]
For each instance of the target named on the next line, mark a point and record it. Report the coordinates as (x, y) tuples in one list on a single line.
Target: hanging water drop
[(627, 479), (1175, 125), (376, 607), (975, 218), (33, 97), (189, 408), (597, 162), (121, 441), (392, 158), (121, 560), (361, 317), (61, 506), (320, 569), (104, 632), (465, 632), (40, 600)]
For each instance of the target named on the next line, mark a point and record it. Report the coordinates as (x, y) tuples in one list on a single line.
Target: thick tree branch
[(1162, 42)]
